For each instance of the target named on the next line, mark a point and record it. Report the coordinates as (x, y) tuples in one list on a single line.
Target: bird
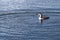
[(42, 17)]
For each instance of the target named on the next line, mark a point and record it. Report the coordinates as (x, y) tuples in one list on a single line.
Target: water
[(25, 26), (6, 5)]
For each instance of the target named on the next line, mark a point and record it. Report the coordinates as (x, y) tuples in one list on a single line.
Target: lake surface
[(25, 26)]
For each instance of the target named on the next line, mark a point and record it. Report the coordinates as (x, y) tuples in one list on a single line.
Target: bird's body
[(42, 17)]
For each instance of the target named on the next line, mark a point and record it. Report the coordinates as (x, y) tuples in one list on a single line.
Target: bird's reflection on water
[(40, 21)]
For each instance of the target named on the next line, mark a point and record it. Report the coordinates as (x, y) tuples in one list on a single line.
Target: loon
[(42, 17)]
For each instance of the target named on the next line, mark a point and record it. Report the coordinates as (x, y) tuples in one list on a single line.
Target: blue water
[(25, 26), (6, 5), (19, 20)]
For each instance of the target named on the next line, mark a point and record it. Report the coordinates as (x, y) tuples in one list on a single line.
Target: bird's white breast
[(40, 18)]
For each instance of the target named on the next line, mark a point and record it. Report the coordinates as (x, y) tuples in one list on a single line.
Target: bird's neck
[(40, 16)]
